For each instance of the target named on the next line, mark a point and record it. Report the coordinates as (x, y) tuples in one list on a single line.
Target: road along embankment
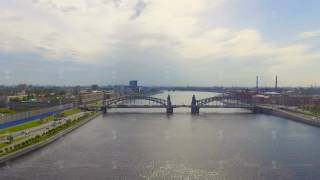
[(296, 117), (43, 143)]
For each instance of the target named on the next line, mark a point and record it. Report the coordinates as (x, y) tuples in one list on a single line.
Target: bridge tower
[(104, 109), (194, 107), (169, 105)]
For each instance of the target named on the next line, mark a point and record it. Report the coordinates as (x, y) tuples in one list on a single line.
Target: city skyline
[(160, 42)]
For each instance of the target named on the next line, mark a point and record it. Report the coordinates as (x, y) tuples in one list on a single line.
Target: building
[(133, 84), (111, 94), (261, 99), (95, 96), (3, 101), (94, 87), (90, 97)]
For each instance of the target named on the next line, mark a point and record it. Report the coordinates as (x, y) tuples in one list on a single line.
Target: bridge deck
[(180, 106), (137, 106)]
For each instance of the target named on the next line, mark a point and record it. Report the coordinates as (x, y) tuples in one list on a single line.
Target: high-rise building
[(133, 84), (276, 85), (94, 87)]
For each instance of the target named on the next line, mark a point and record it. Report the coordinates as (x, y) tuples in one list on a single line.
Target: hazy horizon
[(160, 42)]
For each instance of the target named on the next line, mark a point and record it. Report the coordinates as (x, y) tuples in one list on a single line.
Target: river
[(229, 144)]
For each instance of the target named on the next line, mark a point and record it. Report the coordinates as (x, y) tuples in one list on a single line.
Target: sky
[(160, 42)]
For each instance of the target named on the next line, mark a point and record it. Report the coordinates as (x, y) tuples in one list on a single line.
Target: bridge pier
[(104, 109), (195, 109), (170, 110), (169, 105)]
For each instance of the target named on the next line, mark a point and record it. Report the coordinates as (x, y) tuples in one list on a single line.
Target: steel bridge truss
[(144, 100), (224, 101)]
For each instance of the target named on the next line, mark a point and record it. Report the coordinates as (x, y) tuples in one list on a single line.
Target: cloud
[(243, 45), (118, 32), (88, 31), (310, 34), (140, 6)]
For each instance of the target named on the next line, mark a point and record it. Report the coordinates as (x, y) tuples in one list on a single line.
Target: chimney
[(257, 82), (276, 86)]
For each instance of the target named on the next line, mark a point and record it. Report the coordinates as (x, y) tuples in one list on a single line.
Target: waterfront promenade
[(33, 138)]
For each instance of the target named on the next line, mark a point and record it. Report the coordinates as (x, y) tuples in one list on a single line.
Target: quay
[(41, 144)]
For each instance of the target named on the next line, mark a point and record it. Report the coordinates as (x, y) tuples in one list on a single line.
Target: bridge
[(139, 101)]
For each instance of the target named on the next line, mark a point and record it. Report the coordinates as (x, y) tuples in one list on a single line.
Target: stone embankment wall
[(289, 115)]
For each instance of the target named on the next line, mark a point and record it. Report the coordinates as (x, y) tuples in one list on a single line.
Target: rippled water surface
[(146, 144)]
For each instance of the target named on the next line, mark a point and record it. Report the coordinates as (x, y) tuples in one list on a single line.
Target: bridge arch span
[(117, 100), (205, 101)]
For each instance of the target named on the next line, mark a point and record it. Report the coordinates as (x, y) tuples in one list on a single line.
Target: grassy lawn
[(99, 103), (308, 113), (7, 111), (311, 110), (7, 144), (71, 112)]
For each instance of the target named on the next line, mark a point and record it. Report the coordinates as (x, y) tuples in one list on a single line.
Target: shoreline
[(48, 141), (297, 117)]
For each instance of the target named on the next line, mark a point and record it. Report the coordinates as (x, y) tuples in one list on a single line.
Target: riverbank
[(289, 114), (47, 141)]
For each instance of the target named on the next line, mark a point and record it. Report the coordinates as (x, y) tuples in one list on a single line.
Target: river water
[(228, 144)]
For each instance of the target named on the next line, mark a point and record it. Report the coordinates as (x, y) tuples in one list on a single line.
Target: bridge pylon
[(104, 109), (195, 109), (169, 105)]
